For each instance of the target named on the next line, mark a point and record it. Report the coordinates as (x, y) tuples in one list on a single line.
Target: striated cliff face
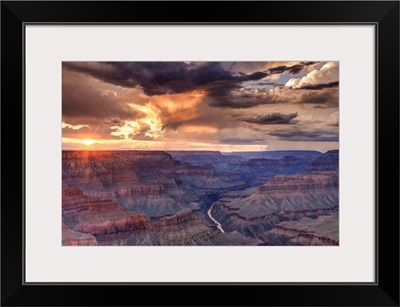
[(328, 162), (75, 238), (97, 216), (282, 198), (96, 221), (184, 228), (148, 182), (151, 198), (285, 193), (320, 231)]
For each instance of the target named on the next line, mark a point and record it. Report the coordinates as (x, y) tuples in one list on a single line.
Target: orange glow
[(198, 129), (88, 142), (179, 105), (198, 94), (129, 144), (150, 123)]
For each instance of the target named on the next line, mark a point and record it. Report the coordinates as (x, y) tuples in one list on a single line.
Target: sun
[(88, 142)]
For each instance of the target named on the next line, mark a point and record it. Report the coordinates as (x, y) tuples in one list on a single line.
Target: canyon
[(184, 198)]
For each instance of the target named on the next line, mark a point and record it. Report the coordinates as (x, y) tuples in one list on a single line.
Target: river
[(219, 226)]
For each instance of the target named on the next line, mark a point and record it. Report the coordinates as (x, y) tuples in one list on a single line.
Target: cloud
[(328, 73), (268, 67), (241, 135), (318, 86), (98, 131), (323, 98), (293, 69), (86, 100), (271, 119), (219, 87), (306, 134), (241, 98), (275, 84), (196, 102), (73, 127), (157, 78), (333, 119), (147, 127)]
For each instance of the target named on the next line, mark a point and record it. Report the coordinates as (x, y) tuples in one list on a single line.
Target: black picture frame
[(383, 14)]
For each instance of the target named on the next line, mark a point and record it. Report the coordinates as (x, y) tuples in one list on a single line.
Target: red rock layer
[(98, 216), (75, 238)]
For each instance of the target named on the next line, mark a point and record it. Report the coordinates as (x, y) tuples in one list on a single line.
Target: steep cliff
[(149, 182), (97, 221)]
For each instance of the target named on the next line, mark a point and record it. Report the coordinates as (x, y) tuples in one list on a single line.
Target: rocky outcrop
[(328, 162), (75, 238), (96, 216), (282, 198), (286, 193), (253, 227), (184, 228), (323, 230), (150, 198)]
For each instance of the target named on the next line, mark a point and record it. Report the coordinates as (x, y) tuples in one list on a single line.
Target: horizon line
[(197, 150)]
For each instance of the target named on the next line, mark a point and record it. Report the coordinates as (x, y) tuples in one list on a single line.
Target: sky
[(223, 106)]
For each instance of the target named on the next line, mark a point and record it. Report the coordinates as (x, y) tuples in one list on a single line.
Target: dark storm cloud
[(114, 122), (223, 88), (272, 119), (232, 94), (84, 102), (236, 97), (172, 125), (275, 84), (158, 78), (254, 76), (299, 135), (323, 98), (281, 69), (241, 102), (319, 86), (293, 69)]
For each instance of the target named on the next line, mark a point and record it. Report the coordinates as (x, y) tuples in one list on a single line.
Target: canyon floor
[(181, 198)]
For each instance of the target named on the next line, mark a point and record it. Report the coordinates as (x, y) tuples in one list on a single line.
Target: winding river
[(219, 226)]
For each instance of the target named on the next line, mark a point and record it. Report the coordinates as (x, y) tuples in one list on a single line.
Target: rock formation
[(96, 221), (159, 198), (320, 231)]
